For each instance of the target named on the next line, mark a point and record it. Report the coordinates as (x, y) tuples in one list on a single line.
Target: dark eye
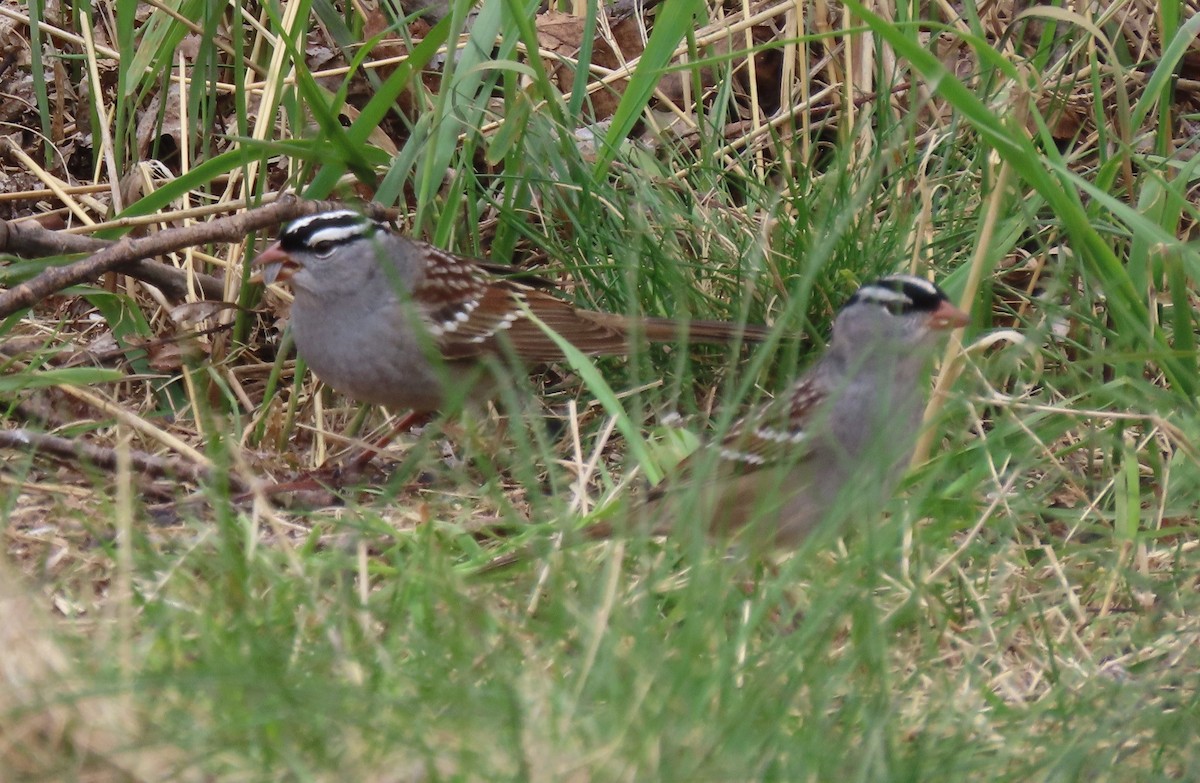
[(323, 249)]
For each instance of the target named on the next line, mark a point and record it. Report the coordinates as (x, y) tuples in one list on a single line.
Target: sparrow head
[(897, 309), (907, 296), (323, 247)]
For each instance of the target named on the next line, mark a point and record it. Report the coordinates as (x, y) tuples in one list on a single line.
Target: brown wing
[(775, 433), (471, 312), (492, 319)]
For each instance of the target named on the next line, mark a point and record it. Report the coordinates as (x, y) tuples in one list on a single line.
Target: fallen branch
[(127, 251), (29, 240), (105, 458)]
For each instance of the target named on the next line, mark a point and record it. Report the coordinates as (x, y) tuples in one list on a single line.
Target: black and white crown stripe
[(901, 294), (327, 229)]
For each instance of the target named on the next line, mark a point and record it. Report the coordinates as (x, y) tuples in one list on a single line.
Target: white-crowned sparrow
[(393, 321), (838, 442)]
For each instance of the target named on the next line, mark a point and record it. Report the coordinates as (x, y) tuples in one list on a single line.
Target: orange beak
[(947, 316), (273, 265)]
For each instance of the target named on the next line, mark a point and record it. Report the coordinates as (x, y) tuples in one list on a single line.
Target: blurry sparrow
[(396, 322), (841, 437)]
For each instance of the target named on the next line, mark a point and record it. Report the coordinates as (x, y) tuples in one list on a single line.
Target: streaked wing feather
[(772, 435), (592, 333)]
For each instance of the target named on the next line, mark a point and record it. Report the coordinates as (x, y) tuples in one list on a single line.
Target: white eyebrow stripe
[(335, 234), (916, 282), (320, 217), (877, 293)]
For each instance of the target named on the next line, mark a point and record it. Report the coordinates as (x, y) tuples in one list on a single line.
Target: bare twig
[(126, 251), (106, 458), (29, 240)]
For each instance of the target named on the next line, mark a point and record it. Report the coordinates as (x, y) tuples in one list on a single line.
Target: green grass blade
[(675, 19)]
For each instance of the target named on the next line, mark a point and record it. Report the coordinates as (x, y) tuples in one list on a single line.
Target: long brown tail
[(669, 330)]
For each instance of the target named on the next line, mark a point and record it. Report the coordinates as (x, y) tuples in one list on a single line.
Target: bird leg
[(369, 452)]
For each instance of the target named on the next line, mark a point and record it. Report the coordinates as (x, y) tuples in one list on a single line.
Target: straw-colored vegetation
[(182, 602)]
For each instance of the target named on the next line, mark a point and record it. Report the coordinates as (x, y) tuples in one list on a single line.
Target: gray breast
[(364, 354)]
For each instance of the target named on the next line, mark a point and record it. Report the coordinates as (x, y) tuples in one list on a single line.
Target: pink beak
[(947, 316), (273, 265)]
